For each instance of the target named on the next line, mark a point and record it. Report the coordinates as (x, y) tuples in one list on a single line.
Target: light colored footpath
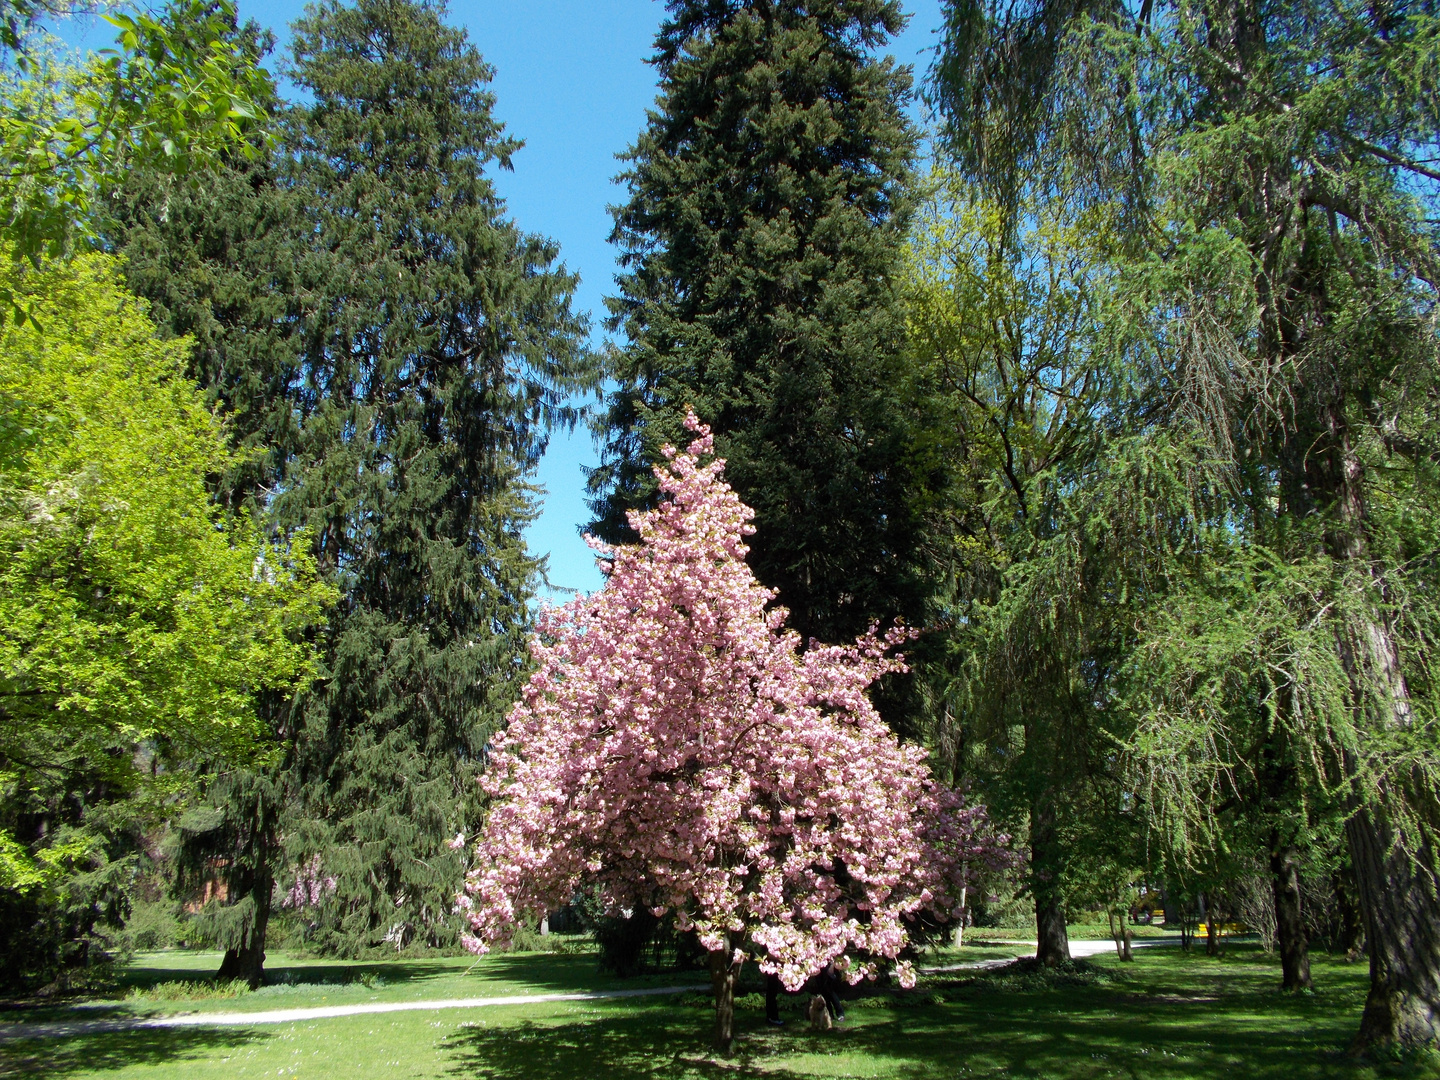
[(1079, 950), (64, 1028)]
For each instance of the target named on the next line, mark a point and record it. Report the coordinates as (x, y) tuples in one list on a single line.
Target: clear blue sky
[(572, 82)]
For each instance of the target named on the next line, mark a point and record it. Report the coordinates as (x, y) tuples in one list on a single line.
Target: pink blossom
[(310, 886), (681, 750)]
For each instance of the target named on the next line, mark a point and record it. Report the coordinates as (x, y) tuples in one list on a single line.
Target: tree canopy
[(1275, 212), (768, 202), (135, 613), (177, 92), (401, 350)]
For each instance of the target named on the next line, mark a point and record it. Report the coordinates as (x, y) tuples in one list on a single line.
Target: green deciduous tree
[(138, 620), (178, 90), (1009, 365), (768, 199)]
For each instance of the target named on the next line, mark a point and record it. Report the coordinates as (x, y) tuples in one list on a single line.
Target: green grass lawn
[(1166, 1016), (179, 981)]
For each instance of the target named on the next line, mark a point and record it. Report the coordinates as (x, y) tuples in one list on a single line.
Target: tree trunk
[(1122, 934), (1395, 880), (1290, 934), (1212, 943), (245, 959), (722, 979), (1352, 924), (1047, 856), (1052, 945), (1402, 927), (1052, 940), (1395, 871)]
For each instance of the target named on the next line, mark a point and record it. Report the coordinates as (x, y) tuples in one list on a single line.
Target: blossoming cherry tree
[(677, 747)]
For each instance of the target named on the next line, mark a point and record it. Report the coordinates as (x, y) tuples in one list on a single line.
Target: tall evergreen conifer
[(435, 341), (371, 318), (220, 263), (768, 204)]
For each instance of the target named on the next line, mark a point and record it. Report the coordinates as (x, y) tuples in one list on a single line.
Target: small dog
[(819, 1014)]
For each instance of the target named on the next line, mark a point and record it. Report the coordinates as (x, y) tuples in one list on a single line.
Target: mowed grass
[(162, 983), (1167, 1015), (171, 982)]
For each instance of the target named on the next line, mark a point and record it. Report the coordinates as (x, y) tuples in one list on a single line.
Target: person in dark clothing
[(827, 985), (773, 990)]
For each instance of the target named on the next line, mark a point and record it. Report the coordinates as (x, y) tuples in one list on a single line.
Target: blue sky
[(572, 82)]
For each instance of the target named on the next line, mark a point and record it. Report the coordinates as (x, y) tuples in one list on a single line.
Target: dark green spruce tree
[(437, 341), (769, 196), (219, 262), (397, 348)]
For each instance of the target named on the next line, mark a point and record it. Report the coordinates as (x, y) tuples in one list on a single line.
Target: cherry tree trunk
[(1290, 936), (722, 980)]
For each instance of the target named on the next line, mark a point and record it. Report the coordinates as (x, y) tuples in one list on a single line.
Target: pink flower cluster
[(310, 887), (679, 749)]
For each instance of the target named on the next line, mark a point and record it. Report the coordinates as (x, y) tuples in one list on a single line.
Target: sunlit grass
[(1167, 1016)]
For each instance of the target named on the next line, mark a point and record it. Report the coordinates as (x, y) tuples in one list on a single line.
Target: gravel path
[(1079, 950)]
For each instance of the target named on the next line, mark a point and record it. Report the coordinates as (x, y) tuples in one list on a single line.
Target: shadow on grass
[(652, 1041), (548, 972), (392, 972), (1190, 1019), (300, 982), (117, 1002), (88, 1055)]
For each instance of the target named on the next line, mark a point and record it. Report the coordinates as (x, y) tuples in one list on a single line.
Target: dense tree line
[(1127, 403), (1163, 461), (388, 352), (137, 619)]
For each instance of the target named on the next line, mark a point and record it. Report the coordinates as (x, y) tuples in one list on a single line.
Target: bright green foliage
[(1011, 365), (138, 622), (398, 348), (767, 209), (177, 91), (131, 608)]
